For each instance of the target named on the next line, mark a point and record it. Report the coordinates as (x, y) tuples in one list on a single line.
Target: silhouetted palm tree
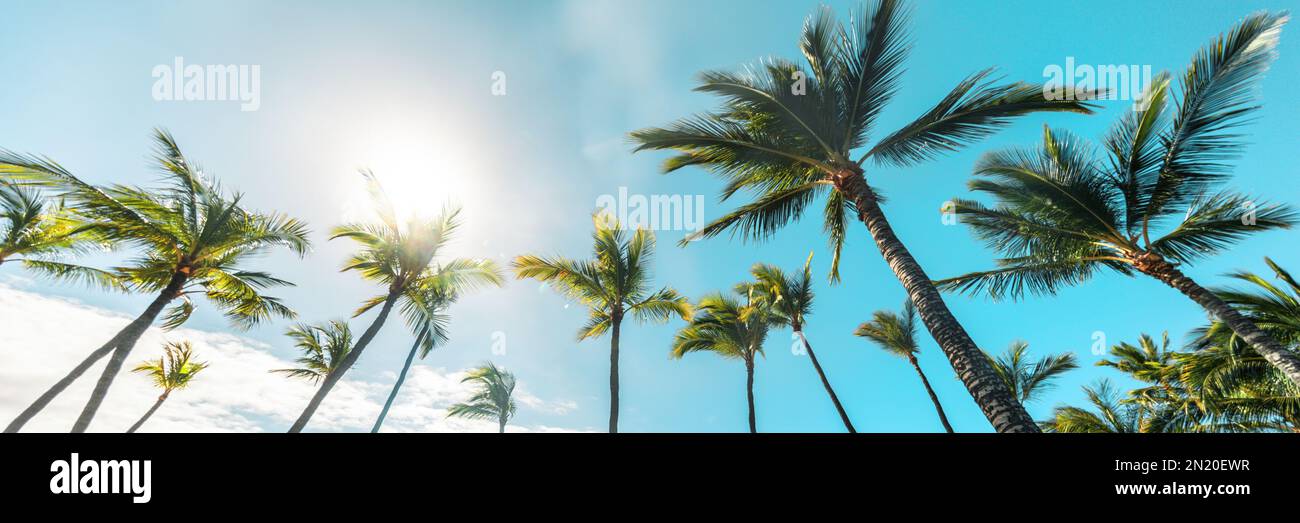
[(192, 238), (897, 335), (788, 135), (494, 399), (172, 371), (613, 284), (1062, 215), (402, 258)]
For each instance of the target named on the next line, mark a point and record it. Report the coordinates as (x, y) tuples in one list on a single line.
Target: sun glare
[(421, 172)]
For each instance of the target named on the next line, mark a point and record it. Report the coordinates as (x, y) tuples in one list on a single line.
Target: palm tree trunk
[(502, 423), (393, 395), (826, 383), (749, 390), (1285, 360), (1003, 411), (334, 376), (613, 374), (126, 341), (58, 388), (934, 398), (152, 410)]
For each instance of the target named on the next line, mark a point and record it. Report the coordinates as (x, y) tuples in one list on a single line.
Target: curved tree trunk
[(334, 376), (396, 386), (826, 383), (152, 410), (749, 389), (613, 374), (58, 388), (1003, 411), (1285, 360), (934, 398), (122, 349)]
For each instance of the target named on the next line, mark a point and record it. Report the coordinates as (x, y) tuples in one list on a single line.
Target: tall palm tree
[(790, 299), (614, 283), (788, 135), (1109, 414), (192, 238), (728, 328), (399, 256), (34, 232), (323, 349), (494, 399), (427, 314), (896, 333), (1062, 216), (1026, 378), (174, 370)]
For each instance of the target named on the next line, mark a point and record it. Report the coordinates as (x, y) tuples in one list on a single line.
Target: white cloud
[(43, 337)]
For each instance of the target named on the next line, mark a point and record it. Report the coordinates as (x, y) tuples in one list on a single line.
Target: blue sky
[(406, 88)]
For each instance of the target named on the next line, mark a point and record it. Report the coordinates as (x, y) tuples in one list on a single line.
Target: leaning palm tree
[(730, 329), (323, 349), (426, 310), (399, 256), (896, 334), (172, 371), (192, 239), (494, 399), (1062, 215), (1027, 379), (788, 135), (790, 299), (612, 285), (1109, 415), (35, 232)]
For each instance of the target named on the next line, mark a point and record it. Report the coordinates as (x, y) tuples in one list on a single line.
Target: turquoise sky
[(406, 88)]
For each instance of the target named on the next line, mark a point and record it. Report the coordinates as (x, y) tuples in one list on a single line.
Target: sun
[(421, 171)]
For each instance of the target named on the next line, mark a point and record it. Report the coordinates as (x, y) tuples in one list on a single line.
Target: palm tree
[(790, 299), (787, 134), (37, 231), (1110, 414), (494, 399), (724, 326), (897, 335), (1228, 376), (401, 257), (1062, 216), (172, 371), (192, 238), (1026, 378), (427, 310), (612, 285), (323, 347)]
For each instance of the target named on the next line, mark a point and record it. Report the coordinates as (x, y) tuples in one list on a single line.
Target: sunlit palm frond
[(175, 369)]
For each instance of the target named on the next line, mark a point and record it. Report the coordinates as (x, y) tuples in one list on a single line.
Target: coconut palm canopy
[(529, 162)]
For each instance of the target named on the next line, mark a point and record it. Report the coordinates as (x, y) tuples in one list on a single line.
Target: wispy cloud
[(42, 337)]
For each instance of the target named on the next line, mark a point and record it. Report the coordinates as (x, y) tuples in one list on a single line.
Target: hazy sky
[(406, 88)]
